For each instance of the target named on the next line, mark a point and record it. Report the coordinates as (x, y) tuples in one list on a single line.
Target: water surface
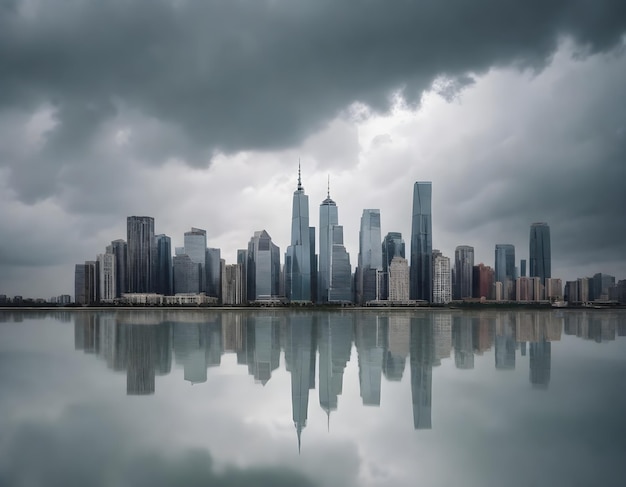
[(265, 397)]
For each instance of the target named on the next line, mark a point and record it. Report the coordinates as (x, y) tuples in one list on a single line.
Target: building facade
[(263, 268), (540, 251), (505, 268), (421, 242), (399, 280), (195, 248), (442, 278), (463, 272), (370, 257), (119, 248), (163, 268), (106, 265), (140, 238)]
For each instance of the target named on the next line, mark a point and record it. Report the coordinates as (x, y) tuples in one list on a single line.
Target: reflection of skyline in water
[(146, 344)]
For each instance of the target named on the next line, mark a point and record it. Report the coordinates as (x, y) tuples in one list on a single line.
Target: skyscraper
[(421, 242), (393, 246), (463, 271), (119, 248), (442, 278), (163, 267), (298, 255), (334, 275), (140, 237), (539, 251), (263, 267), (213, 268), (195, 248), (106, 265), (505, 268), (370, 257)]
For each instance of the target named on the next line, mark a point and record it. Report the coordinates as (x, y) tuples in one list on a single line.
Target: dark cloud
[(257, 75)]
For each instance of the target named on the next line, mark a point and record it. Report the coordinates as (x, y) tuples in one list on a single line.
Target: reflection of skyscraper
[(398, 330), (421, 242), (298, 255), (505, 343), (540, 362), (140, 238), (266, 350), (422, 348), (335, 342), (370, 345), (370, 257), (301, 366), (539, 251), (141, 351), (463, 343)]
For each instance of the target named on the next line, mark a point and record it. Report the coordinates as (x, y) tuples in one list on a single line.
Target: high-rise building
[(398, 272), (263, 267), (505, 267), (334, 275), (163, 268), (393, 246), (140, 237), (213, 269), (539, 251), (522, 264), (463, 272), (298, 255), (233, 284), (370, 257), (106, 265), (600, 286), (119, 249), (242, 260), (442, 278), (483, 279), (84, 284), (421, 242), (186, 274), (195, 248)]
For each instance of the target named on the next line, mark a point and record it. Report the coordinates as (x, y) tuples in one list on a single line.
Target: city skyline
[(511, 125)]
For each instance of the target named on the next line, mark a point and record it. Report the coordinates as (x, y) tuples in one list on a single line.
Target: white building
[(399, 280), (442, 278), (107, 287)]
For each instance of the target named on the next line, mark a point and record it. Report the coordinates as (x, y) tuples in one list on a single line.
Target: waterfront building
[(119, 249), (242, 260), (442, 278), (140, 238), (600, 286), (554, 289), (186, 274), (463, 272), (84, 289), (163, 268), (213, 270), (570, 293), (523, 289), (483, 279), (195, 248), (263, 267), (393, 246), (505, 266), (233, 284), (370, 257), (522, 264), (298, 255), (399, 280), (334, 277), (584, 287), (539, 251), (107, 278), (421, 242)]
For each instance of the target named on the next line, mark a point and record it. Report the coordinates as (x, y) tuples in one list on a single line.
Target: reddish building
[(483, 279)]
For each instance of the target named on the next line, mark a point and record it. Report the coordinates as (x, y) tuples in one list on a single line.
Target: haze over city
[(196, 113)]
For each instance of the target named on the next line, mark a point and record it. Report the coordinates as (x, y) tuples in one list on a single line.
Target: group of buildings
[(142, 269)]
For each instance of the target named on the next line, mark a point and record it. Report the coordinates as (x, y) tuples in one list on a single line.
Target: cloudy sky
[(197, 112)]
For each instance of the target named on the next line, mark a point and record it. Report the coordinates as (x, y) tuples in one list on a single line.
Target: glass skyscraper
[(334, 275), (393, 246), (463, 272), (505, 268), (263, 267), (195, 248), (370, 257), (539, 251), (298, 255), (140, 238), (421, 277), (163, 270)]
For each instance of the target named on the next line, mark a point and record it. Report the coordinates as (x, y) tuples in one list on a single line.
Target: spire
[(328, 194), (299, 176)]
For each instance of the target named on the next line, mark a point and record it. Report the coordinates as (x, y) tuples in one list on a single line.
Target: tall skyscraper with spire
[(421, 277), (539, 251), (298, 255), (334, 275)]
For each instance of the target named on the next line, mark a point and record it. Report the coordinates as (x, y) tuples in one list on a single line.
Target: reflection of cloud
[(87, 446)]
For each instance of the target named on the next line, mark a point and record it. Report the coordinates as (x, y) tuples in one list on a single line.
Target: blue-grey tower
[(370, 261), (298, 255), (140, 238), (334, 275), (539, 251), (421, 274), (505, 268)]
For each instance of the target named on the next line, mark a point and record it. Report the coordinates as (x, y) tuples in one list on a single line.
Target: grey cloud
[(262, 75)]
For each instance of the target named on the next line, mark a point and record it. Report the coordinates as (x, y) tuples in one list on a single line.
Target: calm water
[(314, 398)]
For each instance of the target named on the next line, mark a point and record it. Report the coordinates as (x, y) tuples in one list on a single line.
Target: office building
[(233, 284), (442, 278), (106, 265), (195, 248), (163, 268), (463, 272), (298, 255), (393, 246), (334, 276), (483, 279), (186, 275), (140, 238), (263, 267), (370, 257), (505, 267), (398, 272), (421, 242), (213, 270), (539, 251), (119, 249)]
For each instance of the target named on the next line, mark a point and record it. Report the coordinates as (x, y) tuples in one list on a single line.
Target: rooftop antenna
[(328, 187), (299, 176)]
